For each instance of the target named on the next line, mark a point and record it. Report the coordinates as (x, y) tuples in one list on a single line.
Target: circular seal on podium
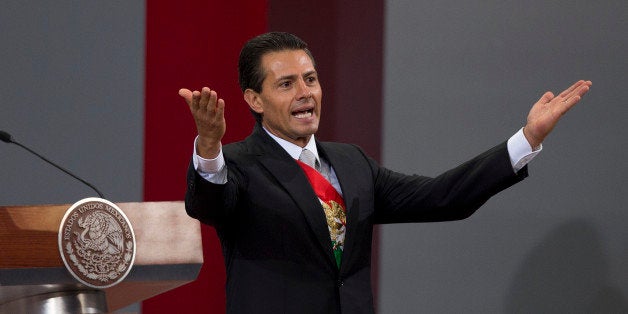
[(97, 243)]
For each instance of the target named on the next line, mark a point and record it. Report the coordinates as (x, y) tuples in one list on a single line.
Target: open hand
[(547, 111), (209, 115)]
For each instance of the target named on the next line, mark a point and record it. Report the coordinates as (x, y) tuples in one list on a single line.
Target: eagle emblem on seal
[(101, 233)]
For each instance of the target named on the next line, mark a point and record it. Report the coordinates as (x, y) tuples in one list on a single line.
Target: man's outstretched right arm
[(207, 173)]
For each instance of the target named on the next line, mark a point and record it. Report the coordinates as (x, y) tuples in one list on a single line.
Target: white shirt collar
[(295, 150)]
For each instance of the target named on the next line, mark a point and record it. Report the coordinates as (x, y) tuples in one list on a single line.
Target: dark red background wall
[(195, 43), (191, 44)]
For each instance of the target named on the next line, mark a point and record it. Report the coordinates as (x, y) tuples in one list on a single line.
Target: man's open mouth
[(303, 113)]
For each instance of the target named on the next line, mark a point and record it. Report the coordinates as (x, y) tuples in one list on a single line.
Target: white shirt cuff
[(520, 151), (212, 170)]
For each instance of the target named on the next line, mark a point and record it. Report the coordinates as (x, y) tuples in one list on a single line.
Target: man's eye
[(311, 79), (285, 84)]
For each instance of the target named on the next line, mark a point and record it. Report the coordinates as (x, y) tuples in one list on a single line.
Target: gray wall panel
[(460, 77), (71, 88)]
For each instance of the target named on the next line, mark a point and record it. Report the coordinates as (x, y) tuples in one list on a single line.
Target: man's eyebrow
[(290, 77), (293, 77)]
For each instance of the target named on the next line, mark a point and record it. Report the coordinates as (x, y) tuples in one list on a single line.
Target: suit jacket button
[(341, 283)]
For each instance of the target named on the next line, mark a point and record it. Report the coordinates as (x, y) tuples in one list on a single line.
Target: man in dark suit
[(298, 240)]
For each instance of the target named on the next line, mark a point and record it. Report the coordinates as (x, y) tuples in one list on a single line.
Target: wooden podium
[(33, 277)]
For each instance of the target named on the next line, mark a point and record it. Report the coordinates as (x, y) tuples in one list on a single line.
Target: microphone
[(7, 138)]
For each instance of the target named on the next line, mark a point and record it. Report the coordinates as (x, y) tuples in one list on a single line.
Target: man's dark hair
[(250, 72)]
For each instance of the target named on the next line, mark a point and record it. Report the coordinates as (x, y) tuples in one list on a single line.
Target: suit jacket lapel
[(291, 177)]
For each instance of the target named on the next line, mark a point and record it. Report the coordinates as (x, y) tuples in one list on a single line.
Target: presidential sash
[(333, 206)]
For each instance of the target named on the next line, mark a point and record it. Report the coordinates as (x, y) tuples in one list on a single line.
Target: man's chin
[(310, 130)]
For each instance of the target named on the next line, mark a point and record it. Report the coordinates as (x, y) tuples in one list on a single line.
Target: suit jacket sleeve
[(453, 195), (208, 202)]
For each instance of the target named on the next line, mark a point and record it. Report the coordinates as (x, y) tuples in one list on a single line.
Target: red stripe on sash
[(323, 189)]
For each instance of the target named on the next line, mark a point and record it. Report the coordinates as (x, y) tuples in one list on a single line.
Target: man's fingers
[(205, 101), (547, 97), (220, 109), (584, 88), (191, 98), (576, 94), (186, 94), (196, 96), (578, 88), (571, 88), (213, 97), (205, 105), (564, 106), (573, 97)]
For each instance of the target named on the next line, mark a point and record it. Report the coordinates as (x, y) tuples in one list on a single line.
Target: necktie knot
[(308, 158)]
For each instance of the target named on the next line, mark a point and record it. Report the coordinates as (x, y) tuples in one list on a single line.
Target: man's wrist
[(534, 144), (207, 165), (207, 149)]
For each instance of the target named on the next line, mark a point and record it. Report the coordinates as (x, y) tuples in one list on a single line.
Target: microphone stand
[(7, 138)]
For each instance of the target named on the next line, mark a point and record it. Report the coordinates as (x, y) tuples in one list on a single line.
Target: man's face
[(290, 100)]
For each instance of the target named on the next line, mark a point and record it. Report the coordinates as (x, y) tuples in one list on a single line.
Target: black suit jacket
[(273, 231)]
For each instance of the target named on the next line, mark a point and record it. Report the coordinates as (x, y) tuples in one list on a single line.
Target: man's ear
[(253, 99)]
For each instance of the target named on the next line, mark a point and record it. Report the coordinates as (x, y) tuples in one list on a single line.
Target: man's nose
[(303, 91)]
